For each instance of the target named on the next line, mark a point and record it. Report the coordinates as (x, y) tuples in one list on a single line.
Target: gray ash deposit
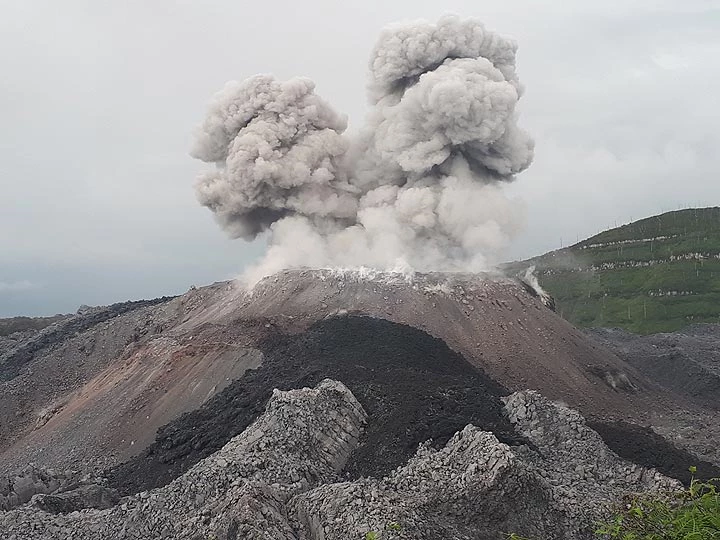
[(687, 361)]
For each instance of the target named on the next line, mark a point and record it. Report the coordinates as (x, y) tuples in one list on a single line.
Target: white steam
[(420, 187)]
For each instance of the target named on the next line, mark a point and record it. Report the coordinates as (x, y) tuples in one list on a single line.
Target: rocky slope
[(492, 321), (413, 387), (279, 480), (685, 362), (432, 432), (16, 329), (94, 388), (92, 392)]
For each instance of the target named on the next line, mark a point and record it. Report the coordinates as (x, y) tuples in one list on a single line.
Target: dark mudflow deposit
[(686, 362), (643, 446), (413, 387)]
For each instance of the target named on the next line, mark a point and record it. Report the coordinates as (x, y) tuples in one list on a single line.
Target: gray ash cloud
[(419, 187)]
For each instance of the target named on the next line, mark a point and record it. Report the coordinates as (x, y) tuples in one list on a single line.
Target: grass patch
[(693, 514), (690, 514)]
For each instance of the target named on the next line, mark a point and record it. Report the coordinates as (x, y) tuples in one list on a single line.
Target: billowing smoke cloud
[(419, 188), (277, 145)]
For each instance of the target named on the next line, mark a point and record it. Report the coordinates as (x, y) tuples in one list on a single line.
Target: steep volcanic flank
[(412, 386), (95, 398), (494, 322), (94, 389)]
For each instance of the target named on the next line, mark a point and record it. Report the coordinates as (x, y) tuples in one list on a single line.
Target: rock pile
[(55, 492), (279, 480), (303, 439), (77, 497), (20, 488), (477, 487)]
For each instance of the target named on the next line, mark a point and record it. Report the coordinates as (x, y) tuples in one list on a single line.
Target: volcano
[(132, 398), (91, 391)]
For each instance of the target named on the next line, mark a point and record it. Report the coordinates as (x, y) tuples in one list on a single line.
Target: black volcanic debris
[(413, 387), (641, 445), (686, 362)]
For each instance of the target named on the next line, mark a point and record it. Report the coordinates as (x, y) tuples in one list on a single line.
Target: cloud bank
[(17, 286)]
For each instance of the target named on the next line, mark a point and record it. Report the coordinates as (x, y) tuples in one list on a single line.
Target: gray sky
[(98, 101)]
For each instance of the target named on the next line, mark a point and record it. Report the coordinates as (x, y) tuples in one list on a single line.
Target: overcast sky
[(99, 99)]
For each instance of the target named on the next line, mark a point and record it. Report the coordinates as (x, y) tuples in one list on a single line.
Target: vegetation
[(658, 274), (391, 526), (692, 514)]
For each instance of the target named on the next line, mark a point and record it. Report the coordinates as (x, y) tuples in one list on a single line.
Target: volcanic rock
[(413, 387), (279, 479), (304, 439), (93, 391)]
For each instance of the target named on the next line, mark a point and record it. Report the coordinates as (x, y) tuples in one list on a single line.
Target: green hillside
[(654, 275)]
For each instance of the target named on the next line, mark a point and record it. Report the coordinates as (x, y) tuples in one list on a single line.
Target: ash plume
[(419, 188), (278, 146)]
